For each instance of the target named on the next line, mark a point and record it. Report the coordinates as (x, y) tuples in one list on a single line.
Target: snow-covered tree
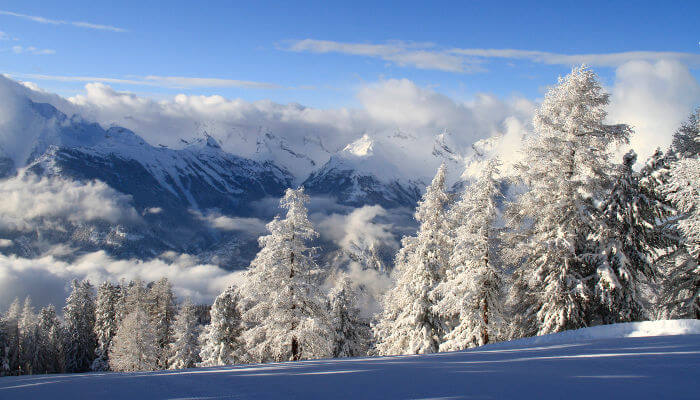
[(79, 319), (285, 313), (4, 347), (221, 341), (161, 308), (185, 348), (106, 323), (565, 168), (50, 341), (353, 335), (686, 140), (409, 323), (29, 339), (628, 244), (681, 288), (134, 347), (471, 296), (11, 357)]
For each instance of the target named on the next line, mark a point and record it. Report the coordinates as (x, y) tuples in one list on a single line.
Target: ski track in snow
[(536, 368)]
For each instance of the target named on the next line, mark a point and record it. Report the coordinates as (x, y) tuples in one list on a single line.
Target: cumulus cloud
[(80, 24), (654, 98), (46, 278), (358, 228), (27, 201), (5, 242)]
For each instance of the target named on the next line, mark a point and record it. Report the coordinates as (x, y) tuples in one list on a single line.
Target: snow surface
[(647, 360)]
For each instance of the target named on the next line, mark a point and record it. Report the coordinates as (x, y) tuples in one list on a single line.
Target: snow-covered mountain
[(232, 172)]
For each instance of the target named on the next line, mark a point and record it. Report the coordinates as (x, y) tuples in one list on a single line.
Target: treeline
[(587, 240)]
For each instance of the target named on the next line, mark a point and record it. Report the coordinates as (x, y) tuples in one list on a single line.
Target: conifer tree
[(681, 286), (353, 335), (285, 314), (471, 295), (409, 323), (185, 349), (221, 342), (629, 241), (565, 169), (134, 347), (13, 349), (51, 341), (106, 323), (161, 307), (29, 339), (686, 140), (79, 319)]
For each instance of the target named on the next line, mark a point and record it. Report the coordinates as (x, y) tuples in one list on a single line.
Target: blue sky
[(318, 53)]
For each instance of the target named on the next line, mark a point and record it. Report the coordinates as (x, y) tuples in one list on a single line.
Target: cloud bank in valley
[(47, 279), (29, 201)]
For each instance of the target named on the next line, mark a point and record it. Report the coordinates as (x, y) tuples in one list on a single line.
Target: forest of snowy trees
[(587, 240)]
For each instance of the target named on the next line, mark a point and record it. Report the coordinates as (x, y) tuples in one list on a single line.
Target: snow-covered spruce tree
[(353, 335), (471, 296), (11, 359), (184, 351), (409, 323), (4, 347), (106, 323), (79, 319), (51, 341), (565, 169), (29, 339), (686, 140), (221, 341), (628, 245), (285, 314), (161, 308), (681, 287), (134, 347)]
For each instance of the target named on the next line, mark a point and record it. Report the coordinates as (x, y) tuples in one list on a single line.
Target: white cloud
[(31, 50), (358, 228), (46, 278), (600, 60), (49, 21), (171, 82), (225, 223), (5, 242), (430, 56), (417, 55), (28, 201), (654, 98)]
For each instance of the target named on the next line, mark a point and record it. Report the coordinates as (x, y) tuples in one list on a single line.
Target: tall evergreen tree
[(686, 140), (185, 349), (285, 313), (471, 294), (629, 242), (409, 323), (134, 347), (565, 170), (106, 323), (79, 319), (221, 341), (161, 307), (13, 349), (353, 335), (681, 287), (51, 341), (29, 339)]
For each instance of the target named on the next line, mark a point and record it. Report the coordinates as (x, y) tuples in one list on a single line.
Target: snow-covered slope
[(610, 362)]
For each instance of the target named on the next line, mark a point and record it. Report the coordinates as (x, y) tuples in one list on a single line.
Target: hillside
[(651, 360)]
